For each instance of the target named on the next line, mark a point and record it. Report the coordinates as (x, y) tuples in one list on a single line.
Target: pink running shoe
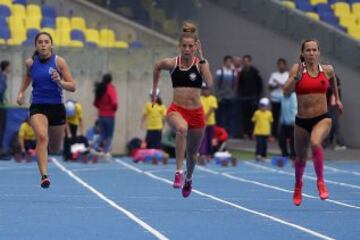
[(45, 182), (178, 180), (186, 190), (323, 192)]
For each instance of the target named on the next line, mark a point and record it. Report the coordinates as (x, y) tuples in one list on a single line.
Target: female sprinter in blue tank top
[(186, 115), (49, 74), (310, 80)]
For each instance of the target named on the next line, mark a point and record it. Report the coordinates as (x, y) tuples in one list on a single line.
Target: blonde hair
[(188, 31)]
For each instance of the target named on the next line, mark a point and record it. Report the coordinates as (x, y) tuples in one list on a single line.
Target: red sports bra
[(308, 84)]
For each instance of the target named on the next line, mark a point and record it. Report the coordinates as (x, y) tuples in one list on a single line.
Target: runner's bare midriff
[(187, 97), (311, 105)]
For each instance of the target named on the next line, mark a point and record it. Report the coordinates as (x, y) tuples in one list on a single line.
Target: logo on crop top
[(51, 69), (192, 76)]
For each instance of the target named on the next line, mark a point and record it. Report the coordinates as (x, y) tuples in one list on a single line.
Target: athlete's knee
[(182, 131), (42, 138)]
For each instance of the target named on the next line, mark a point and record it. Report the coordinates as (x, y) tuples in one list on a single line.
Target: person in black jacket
[(249, 90)]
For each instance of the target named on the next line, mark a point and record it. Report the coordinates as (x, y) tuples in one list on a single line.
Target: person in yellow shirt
[(74, 121), (209, 103), (26, 136), (155, 119), (262, 119)]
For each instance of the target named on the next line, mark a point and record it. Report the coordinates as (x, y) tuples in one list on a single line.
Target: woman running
[(186, 115), (49, 74), (310, 80)]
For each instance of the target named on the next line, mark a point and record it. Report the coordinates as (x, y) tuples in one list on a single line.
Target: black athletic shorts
[(55, 113), (309, 123)]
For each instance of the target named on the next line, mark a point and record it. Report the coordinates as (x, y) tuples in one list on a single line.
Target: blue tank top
[(45, 89)]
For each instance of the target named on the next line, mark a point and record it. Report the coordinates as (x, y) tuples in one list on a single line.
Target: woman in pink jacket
[(106, 103)]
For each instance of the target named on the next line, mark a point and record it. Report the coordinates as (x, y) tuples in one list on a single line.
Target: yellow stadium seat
[(158, 14), (107, 38), (16, 22), (313, 15), (170, 27), (356, 8), (32, 22), (92, 35), (354, 32), (289, 4), (78, 23), (33, 10), (6, 3), (347, 21), (18, 36), (18, 10), (121, 44), (2, 41), (75, 43), (314, 2), (63, 35), (341, 8), (63, 23)]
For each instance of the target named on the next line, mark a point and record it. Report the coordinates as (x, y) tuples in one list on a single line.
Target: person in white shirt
[(276, 82)]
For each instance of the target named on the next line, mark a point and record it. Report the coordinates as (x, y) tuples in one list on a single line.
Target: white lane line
[(275, 219), (337, 170), (244, 180), (130, 215), (305, 176)]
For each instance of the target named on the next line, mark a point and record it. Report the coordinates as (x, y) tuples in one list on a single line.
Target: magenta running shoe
[(178, 180), (45, 182), (186, 190)]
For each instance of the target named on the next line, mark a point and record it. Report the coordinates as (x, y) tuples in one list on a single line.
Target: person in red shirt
[(310, 81), (107, 104), (219, 139)]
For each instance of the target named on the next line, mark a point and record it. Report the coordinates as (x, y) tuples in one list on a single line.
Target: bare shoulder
[(60, 60), (29, 62), (167, 63), (328, 68), (294, 68)]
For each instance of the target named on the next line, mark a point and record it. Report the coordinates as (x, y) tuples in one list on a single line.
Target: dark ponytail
[(100, 87)]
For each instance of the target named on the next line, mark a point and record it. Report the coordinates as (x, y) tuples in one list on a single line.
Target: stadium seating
[(21, 20), (341, 14)]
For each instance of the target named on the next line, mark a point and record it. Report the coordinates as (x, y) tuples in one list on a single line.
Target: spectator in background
[(262, 119), (209, 103), (287, 122), (107, 104), (237, 127), (225, 82), (155, 119), (74, 121), (5, 69), (249, 89), (219, 140), (276, 82), (26, 136)]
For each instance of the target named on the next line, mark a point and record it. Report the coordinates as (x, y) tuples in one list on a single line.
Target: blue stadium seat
[(136, 44), (304, 6), (334, 1), (48, 22), (48, 11), (3, 21), (22, 2), (330, 19), (77, 35), (91, 45), (4, 33), (4, 11), (323, 8), (353, 1), (30, 36)]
